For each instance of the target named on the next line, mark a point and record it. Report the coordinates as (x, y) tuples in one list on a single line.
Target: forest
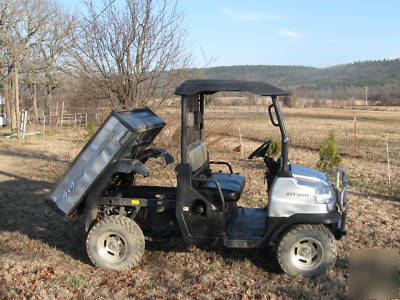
[(347, 81)]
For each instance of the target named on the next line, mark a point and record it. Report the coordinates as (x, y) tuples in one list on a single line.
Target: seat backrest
[(197, 155)]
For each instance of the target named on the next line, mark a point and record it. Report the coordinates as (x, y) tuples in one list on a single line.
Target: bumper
[(340, 187)]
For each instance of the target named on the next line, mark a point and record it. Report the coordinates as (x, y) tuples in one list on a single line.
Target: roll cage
[(192, 94)]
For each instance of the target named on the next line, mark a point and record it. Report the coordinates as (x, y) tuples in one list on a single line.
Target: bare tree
[(21, 30), (48, 57), (133, 53), (33, 33)]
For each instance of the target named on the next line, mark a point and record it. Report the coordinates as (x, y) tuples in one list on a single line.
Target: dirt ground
[(43, 256)]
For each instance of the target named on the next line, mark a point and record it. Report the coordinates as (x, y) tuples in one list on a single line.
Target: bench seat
[(231, 184)]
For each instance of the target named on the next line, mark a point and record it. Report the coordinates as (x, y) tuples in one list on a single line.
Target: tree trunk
[(7, 99), (48, 99), (11, 100), (34, 102), (16, 97)]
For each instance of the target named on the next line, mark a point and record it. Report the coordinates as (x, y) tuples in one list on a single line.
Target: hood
[(308, 173)]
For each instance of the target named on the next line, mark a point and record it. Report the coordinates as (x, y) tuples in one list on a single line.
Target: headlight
[(324, 194)]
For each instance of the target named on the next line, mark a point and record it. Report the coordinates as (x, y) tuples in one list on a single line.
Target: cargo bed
[(123, 135)]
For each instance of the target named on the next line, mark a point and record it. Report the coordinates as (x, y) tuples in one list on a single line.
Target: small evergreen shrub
[(274, 149), (329, 156)]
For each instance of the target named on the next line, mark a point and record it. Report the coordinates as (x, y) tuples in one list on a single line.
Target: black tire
[(115, 243), (307, 250)]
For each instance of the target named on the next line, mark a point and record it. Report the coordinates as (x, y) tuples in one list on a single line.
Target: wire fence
[(307, 129), (30, 125), (227, 111), (64, 120), (371, 137)]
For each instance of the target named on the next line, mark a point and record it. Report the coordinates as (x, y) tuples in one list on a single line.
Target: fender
[(155, 152), (276, 226), (122, 166)]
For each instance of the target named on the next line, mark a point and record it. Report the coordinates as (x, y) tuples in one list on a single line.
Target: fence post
[(20, 125), (355, 135), (62, 115), (24, 120), (44, 123), (241, 144), (75, 120), (388, 161)]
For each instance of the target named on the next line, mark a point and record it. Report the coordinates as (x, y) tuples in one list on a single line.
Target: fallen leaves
[(44, 256)]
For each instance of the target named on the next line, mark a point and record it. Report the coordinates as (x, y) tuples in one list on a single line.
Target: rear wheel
[(115, 243), (307, 250)]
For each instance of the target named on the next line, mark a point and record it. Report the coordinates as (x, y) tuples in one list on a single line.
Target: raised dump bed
[(123, 134)]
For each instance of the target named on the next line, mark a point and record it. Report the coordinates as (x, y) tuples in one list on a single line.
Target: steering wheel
[(260, 151)]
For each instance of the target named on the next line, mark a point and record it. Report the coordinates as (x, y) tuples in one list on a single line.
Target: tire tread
[(128, 224), (298, 228)]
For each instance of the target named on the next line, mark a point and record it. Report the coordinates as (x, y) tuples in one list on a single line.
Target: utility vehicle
[(305, 214)]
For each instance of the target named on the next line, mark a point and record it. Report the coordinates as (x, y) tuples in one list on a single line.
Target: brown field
[(44, 256)]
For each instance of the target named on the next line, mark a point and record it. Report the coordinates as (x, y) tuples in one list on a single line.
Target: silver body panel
[(308, 173), (299, 194), (139, 127)]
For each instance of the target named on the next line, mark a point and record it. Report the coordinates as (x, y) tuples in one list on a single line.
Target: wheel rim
[(111, 247), (307, 253)]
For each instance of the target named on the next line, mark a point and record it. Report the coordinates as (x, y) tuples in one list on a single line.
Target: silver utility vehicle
[(305, 214)]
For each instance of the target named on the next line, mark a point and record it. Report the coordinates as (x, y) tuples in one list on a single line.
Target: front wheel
[(115, 243), (307, 250)]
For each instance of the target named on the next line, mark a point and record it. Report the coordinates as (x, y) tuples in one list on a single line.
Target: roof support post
[(184, 110), (285, 139), (202, 116)]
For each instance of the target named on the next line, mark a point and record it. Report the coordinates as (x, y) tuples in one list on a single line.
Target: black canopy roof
[(211, 86)]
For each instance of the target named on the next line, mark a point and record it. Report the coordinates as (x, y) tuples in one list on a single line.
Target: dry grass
[(307, 128), (43, 256)]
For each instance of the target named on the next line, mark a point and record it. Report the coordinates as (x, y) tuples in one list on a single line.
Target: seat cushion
[(232, 186)]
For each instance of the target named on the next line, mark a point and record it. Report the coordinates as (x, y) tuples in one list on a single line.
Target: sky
[(304, 32)]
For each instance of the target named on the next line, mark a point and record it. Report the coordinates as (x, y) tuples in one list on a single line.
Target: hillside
[(341, 81), (378, 72)]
